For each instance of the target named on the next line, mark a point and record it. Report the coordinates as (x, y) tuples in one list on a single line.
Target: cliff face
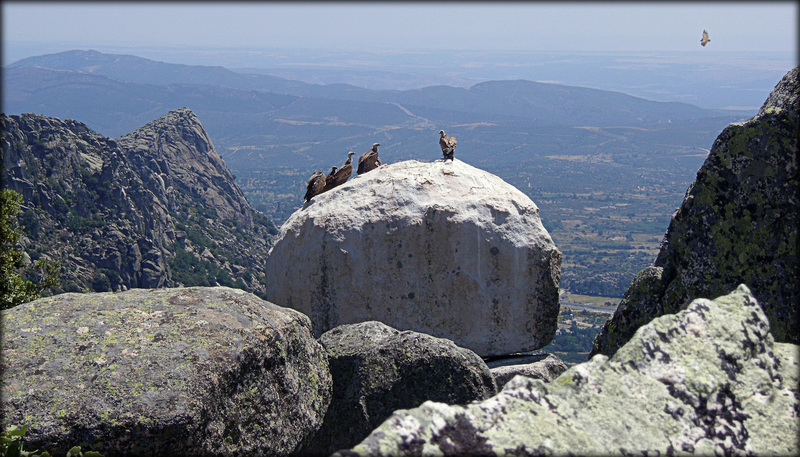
[(737, 224), (155, 208), (441, 248)]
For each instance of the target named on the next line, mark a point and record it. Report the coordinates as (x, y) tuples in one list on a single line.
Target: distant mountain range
[(565, 146), (74, 83)]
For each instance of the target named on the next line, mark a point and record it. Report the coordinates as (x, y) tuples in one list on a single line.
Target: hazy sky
[(538, 26)]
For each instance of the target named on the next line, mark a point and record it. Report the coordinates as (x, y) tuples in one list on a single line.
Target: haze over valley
[(381, 228), (606, 168)]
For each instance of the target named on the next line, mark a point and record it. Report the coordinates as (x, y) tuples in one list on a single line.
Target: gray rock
[(187, 371), (377, 370), (737, 224), (109, 210), (707, 380), (546, 369), (441, 248)]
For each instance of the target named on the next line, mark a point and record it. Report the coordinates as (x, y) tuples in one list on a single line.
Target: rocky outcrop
[(547, 368), (175, 154), (186, 371), (377, 370), (440, 248), (155, 208), (707, 380), (737, 224)]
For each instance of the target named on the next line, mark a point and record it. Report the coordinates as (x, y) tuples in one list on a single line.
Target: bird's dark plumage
[(329, 180), (315, 185), (369, 160), (343, 173), (448, 144)]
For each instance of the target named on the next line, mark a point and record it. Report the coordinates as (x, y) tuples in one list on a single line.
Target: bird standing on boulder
[(343, 173), (704, 41), (329, 180), (315, 185), (448, 144), (369, 160)]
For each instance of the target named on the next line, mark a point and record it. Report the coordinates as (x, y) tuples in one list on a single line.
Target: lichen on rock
[(706, 380), (187, 371), (737, 224), (377, 370)]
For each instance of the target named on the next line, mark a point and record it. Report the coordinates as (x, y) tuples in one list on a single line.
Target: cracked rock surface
[(184, 371), (707, 380)]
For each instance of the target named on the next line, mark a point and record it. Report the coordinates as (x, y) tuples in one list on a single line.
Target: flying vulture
[(315, 185), (343, 174), (369, 160), (704, 41), (448, 144)]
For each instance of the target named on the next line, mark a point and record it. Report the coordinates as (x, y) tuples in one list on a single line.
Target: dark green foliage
[(575, 339), (191, 270), (11, 445), (101, 283), (30, 225), (14, 287)]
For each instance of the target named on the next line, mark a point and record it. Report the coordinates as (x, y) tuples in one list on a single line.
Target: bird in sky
[(704, 41)]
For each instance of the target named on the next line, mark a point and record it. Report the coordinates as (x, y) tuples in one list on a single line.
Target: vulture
[(329, 180), (448, 144), (343, 173), (369, 160), (315, 185), (704, 41)]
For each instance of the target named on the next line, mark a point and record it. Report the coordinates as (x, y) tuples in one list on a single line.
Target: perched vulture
[(315, 185), (369, 160), (343, 173), (448, 144), (329, 180), (704, 41)]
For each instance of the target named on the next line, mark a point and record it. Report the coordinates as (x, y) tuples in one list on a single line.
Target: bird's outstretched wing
[(704, 41)]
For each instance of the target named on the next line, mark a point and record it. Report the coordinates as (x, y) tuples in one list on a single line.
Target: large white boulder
[(441, 248)]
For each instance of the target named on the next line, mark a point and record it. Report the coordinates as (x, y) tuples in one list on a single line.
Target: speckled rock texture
[(154, 208), (440, 248), (737, 224), (187, 371), (707, 380), (377, 369), (546, 369)]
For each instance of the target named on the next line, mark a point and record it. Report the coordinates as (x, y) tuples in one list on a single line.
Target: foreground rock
[(737, 224), (707, 380), (195, 371), (440, 248), (377, 370), (547, 368)]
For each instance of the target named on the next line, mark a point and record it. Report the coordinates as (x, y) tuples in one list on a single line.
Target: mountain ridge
[(533, 100), (155, 208), (274, 142)]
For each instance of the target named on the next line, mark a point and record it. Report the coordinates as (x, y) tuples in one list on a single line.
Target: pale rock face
[(708, 380), (441, 248), (546, 369)]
